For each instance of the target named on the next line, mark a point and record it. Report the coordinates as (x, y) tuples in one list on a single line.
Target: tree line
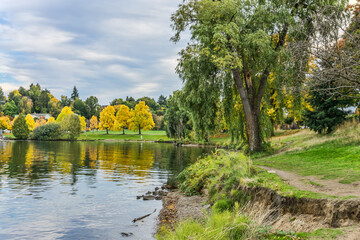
[(38, 100), (251, 67), (69, 125)]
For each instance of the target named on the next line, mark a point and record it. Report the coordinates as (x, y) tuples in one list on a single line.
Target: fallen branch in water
[(140, 218)]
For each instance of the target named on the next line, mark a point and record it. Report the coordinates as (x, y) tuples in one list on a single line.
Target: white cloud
[(108, 49)]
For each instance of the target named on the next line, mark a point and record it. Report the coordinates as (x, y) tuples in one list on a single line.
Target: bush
[(20, 128), (50, 131), (220, 173)]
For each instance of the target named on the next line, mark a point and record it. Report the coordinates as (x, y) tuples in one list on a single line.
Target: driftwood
[(145, 216)]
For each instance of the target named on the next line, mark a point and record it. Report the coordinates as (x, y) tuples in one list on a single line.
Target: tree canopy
[(107, 118), (140, 118), (248, 40)]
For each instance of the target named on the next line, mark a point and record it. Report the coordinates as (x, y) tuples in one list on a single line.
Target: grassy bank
[(232, 225), (334, 156), (220, 175)]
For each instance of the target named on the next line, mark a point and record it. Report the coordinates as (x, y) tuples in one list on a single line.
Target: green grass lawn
[(335, 156), (151, 135)]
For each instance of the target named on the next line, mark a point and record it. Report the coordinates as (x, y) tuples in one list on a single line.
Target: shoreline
[(121, 140)]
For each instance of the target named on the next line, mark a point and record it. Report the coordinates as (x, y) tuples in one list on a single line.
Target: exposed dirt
[(168, 214), (299, 214), (269, 208), (178, 207), (314, 184)]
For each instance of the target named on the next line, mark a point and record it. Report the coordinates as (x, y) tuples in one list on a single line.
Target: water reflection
[(72, 190)]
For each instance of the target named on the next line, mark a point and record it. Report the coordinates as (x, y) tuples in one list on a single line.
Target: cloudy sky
[(109, 49)]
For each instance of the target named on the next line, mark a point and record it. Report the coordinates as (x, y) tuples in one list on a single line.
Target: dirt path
[(314, 184)]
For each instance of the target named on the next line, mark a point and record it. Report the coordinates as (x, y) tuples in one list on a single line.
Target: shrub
[(50, 131), (220, 173), (20, 128)]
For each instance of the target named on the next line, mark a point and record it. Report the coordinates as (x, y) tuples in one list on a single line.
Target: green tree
[(34, 93), (177, 120), (130, 102), (80, 108), (10, 109), (74, 94), (65, 101), (162, 101), (20, 128), (23, 91), (328, 112), (25, 105), (246, 39), (43, 101), (93, 107), (71, 125), (153, 105), (116, 101)]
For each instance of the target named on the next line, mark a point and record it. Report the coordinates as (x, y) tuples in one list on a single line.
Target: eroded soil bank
[(269, 208), (177, 207)]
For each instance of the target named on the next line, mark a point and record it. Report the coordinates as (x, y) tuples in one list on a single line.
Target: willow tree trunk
[(139, 130), (252, 94), (251, 100)]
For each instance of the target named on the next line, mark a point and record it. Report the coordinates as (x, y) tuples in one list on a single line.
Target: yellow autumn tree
[(5, 123), (140, 118), (30, 122), (66, 111), (39, 122), (107, 118), (51, 120), (93, 123), (122, 118), (82, 122)]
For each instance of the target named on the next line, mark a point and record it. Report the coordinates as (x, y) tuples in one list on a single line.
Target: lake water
[(84, 190)]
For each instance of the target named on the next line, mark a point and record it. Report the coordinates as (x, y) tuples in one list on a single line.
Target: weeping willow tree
[(247, 39), (201, 95)]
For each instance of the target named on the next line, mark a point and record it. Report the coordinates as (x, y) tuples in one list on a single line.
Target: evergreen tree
[(328, 112), (20, 128), (75, 94), (162, 101)]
